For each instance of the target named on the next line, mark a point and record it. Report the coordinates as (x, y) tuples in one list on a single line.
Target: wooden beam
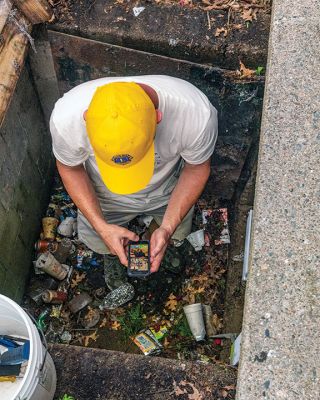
[(5, 8), (13, 50), (36, 11)]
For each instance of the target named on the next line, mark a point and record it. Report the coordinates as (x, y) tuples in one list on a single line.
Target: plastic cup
[(66, 228), (194, 316), (196, 239), (49, 226)]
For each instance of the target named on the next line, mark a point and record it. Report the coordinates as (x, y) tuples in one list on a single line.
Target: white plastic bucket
[(39, 381)]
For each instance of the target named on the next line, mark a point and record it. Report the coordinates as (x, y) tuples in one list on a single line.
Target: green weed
[(181, 327), (132, 321), (67, 397), (259, 71)]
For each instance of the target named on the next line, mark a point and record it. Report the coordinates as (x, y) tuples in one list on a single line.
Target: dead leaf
[(246, 72), (78, 277), (237, 26), (216, 322), (115, 326), (181, 388), (166, 342), (219, 31), (224, 393), (172, 302), (247, 14), (230, 387), (200, 278), (93, 337), (103, 323)]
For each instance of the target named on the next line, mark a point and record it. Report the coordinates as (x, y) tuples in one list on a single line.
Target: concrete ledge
[(282, 310), (170, 30), (87, 373)]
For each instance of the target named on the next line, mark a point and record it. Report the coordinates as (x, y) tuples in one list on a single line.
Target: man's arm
[(187, 191), (80, 189)]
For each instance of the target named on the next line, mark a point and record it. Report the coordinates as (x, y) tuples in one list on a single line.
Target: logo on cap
[(122, 159)]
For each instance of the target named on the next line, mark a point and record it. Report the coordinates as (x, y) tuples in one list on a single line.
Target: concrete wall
[(25, 176)]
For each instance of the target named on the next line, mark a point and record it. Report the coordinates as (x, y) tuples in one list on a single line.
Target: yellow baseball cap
[(121, 124)]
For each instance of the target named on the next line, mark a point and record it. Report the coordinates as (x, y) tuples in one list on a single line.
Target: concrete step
[(92, 374)]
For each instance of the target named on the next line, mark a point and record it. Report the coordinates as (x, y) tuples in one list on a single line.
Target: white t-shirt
[(188, 131)]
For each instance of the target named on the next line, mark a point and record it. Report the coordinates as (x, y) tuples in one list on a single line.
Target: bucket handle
[(44, 340)]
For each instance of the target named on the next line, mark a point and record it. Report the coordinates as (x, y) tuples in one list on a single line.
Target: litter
[(218, 220), (66, 227), (49, 225), (79, 302), (137, 11), (207, 314), (54, 297), (186, 277), (42, 246), (194, 316), (235, 351), (64, 249), (245, 269), (47, 263), (118, 297), (196, 239), (147, 343)]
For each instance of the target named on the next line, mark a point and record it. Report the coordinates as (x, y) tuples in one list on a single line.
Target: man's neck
[(151, 93)]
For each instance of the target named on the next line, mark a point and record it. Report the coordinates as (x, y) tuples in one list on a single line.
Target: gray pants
[(90, 238)]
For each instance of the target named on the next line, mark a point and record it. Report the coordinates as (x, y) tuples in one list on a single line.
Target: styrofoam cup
[(196, 239), (194, 316)]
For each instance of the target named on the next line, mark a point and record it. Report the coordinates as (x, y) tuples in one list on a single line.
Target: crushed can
[(54, 296)]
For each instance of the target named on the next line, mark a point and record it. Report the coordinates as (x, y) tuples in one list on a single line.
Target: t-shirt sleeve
[(198, 148), (69, 145)]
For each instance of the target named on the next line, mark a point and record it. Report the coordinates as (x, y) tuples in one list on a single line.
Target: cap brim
[(130, 179)]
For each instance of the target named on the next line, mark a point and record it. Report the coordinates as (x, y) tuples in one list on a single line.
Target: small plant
[(67, 397), (259, 71), (132, 321), (181, 327)]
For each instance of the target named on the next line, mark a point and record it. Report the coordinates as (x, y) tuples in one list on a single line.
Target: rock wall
[(25, 178)]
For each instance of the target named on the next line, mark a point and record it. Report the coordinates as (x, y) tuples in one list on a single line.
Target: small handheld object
[(139, 258)]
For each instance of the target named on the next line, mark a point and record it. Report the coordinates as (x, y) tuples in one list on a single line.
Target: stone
[(279, 357)]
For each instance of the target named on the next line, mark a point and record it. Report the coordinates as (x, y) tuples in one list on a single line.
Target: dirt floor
[(158, 302), (101, 374), (239, 11)]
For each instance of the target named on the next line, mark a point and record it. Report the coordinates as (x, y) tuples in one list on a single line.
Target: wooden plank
[(36, 11), (13, 50), (5, 8)]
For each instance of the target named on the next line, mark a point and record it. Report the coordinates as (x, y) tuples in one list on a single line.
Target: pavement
[(282, 307)]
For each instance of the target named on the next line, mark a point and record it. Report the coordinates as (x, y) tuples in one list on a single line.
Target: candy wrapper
[(147, 343)]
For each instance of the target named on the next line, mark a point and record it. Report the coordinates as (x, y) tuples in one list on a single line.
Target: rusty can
[(41, 246), (49, 226), (79, 302), (63, 250), (54, 296)]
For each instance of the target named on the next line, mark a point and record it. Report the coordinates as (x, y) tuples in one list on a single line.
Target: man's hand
[(158, 244), (116, 239)]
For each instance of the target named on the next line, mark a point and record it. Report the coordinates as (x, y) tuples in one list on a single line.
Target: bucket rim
[(31, 367)]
